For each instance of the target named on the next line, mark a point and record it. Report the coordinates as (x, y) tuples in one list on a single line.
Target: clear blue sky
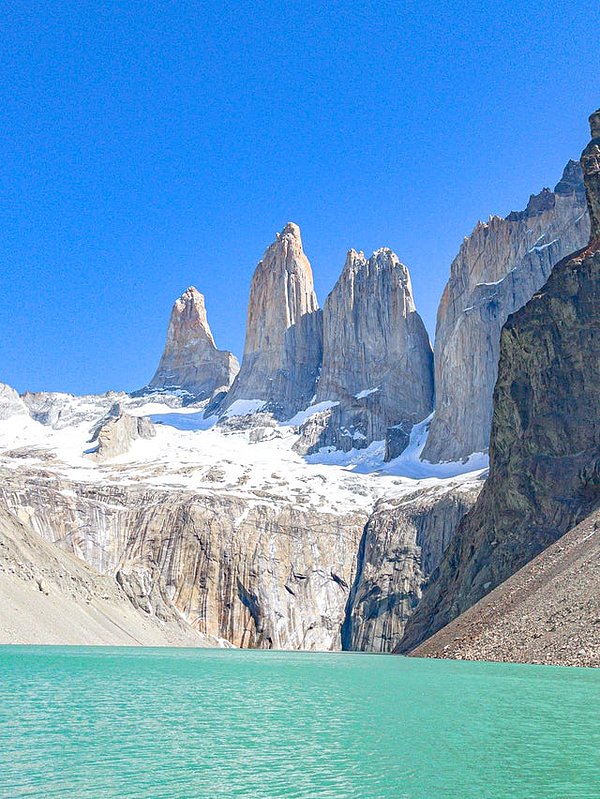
[(148, 146)]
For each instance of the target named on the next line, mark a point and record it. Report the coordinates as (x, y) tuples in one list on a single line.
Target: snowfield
[(200, 454)]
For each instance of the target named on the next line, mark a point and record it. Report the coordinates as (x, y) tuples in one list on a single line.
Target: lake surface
[(183, 724)]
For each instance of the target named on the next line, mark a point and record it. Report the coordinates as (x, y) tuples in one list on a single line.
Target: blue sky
[(149, 146)]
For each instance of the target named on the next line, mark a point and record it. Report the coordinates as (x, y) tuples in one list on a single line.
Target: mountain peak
[(191, 360), (590, 163)]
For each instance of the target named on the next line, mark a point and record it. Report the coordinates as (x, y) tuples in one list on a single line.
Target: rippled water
[(182, 724)]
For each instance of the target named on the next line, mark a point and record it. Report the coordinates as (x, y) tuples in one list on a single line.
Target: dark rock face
[(403, 542), (497, 270), (545, 444)]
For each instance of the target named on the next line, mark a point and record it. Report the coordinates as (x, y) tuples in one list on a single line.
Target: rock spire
[(377, 359), (282, 351), (191, 360)]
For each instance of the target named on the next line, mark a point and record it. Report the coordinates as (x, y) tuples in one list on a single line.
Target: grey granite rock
[(114, 435), (403, 543), (377, 360), (497, 270), (282, 351)]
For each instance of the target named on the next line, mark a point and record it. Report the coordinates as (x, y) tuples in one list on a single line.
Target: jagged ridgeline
[(363, 365), (253, 506)]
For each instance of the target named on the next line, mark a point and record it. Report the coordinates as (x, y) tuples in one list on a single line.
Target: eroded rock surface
[(402, 545), (191, 361), (48, 596), (498, 269), (377, 360), (258, 574), (115, 434)]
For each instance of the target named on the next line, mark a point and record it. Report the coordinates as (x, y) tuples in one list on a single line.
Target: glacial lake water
[(182, 724)]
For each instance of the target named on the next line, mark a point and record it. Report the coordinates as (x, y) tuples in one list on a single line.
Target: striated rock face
[(498, 269), (255, 573), (377, 359), (545, 613), (403, 543), (191, 360), (50, 597), (282, 352), (545, 443), (115, 435)]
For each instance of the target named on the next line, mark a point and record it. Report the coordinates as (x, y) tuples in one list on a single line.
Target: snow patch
[(365, 392), (302, 416), (244, 407)]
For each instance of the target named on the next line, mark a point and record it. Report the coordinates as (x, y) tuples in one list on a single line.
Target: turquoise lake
[(184, 723)]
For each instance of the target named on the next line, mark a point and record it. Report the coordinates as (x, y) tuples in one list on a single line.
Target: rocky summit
[(497, 270), (545, 443), (191, 361), (377, 364), (282, 351)]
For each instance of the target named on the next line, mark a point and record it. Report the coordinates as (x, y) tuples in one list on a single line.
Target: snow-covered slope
[(248, 539)]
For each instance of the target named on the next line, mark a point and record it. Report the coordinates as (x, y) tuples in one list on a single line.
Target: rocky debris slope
[(548, 612), (115, 435), (377, 360), (545, 444), (191, 361), (282, 351), (497, 270), (403, 543), (48, 596)]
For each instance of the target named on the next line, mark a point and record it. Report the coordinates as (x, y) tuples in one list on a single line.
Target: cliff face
[(403, 543), (377, 360), (258, 574), (191, 360), (50, 597), (545, 443), (499, 268), (282, 351)]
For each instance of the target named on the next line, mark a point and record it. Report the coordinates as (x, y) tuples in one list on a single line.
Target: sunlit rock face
[(282, 351), (191, 360), (377, 360), (545, 441), (497, 270)]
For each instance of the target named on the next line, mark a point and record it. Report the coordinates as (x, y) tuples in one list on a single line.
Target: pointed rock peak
[(571, 180), (290, 233), (292, 229), (189, 312), (354, 260), (191, 360), (590, 163)]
